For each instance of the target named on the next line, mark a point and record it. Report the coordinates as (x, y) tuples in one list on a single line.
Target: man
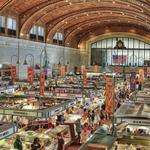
[(61, 142), (18, 143)]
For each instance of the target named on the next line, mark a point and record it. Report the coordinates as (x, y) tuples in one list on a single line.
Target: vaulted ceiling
[(80, 20)]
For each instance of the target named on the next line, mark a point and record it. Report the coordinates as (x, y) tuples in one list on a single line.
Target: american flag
[(119, 59)]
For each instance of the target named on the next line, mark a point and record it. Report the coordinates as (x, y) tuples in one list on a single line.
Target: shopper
[(92, 117), (89, 116), (78, 130), (36, 144), (85, 133), (62, 119), (61, 142), (47, 145), (18, 143)]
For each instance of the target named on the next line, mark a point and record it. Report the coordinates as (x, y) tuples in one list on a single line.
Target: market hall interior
[(56, 56)]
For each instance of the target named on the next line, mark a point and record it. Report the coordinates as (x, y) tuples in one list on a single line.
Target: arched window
[(58, 38), (33, 32), (37, 33), (122, 51), (11, 26), (2, 24), (8, 25), (41, 33)]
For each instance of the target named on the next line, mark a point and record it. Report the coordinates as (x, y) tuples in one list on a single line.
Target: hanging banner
[(30, 73), (67, 68), (62, 71), (42, 80), (141, 76), (109, 95), (84, 77), (132, 81), (13, 72), (96, 69)]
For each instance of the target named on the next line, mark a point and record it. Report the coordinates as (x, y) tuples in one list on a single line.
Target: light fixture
[(17, 62), (113, 2), (25, 62), (59, 63)]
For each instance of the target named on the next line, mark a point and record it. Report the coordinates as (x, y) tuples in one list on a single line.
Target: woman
[(36, 144), (85, 132)]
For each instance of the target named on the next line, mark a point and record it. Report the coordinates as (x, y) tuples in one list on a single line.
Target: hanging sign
[(132, 81), (13, 71), (141, 76), (84, 76), (20, 113), (30, 73), (62, 71), (109, 95), (42, 80), (67, 68)]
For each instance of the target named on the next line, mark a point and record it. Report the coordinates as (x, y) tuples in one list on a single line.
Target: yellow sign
[(141, 76), (96, 69)]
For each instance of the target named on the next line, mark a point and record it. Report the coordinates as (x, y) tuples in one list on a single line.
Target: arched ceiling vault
[(79, 19)]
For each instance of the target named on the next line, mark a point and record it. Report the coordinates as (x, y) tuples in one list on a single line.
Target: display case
[(72, 120), (65, 132), (27, 138)]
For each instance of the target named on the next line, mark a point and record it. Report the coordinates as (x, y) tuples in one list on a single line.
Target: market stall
[(99, 141), (135, 128), (64, 130), (10, 107)]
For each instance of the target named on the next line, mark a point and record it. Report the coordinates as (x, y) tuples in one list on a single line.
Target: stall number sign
[(71, 104), (137, 122), (56, 111), (6, 133), (20, 113), (141, 122)]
